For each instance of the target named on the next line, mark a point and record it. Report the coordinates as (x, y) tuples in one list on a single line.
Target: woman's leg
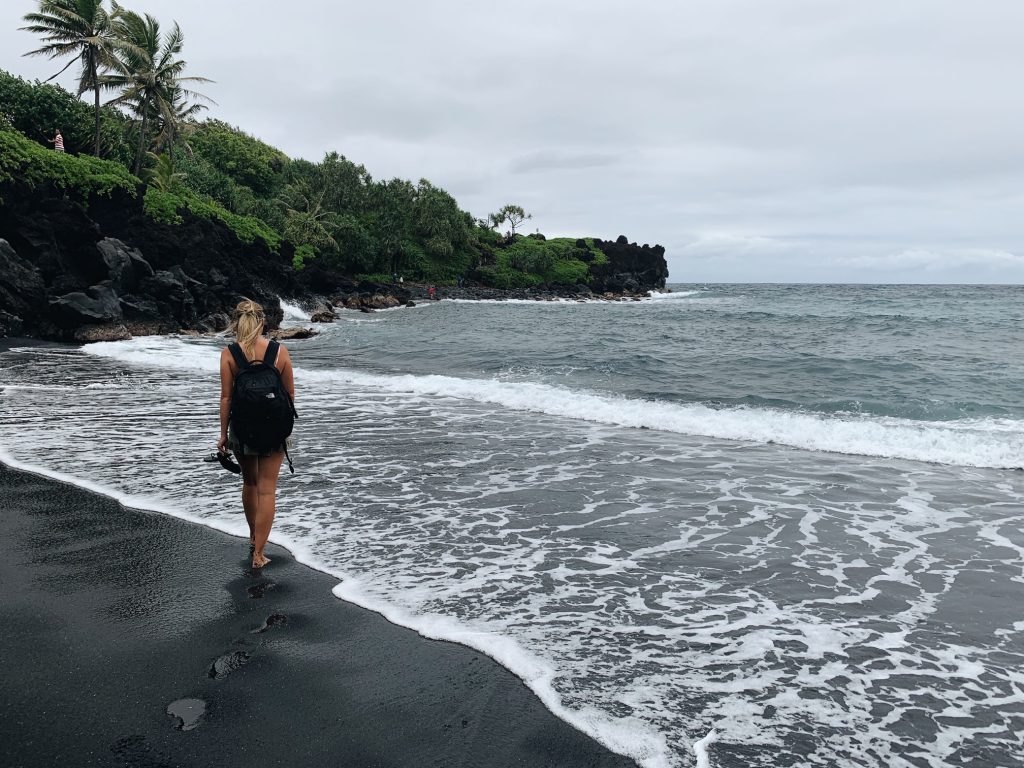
[(266, 487), (250, 498)]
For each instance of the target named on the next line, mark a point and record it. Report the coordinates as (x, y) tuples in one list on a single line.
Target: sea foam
[(675, 588), (988, 442), (294, 312)]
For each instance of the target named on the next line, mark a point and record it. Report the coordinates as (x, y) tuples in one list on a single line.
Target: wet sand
[(110, 616)]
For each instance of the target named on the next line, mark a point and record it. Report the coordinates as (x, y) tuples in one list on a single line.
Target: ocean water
[(742, 525)]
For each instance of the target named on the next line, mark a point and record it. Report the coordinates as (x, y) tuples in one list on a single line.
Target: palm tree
[(148, 72), (163, 175), (82, 29), (180, 120), (308, 222)]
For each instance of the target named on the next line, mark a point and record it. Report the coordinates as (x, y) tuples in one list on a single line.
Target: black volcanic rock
[(630, 267), (125, 266), (57, 237), (321, 280), (22, 291), (104, 270), (96, 305)]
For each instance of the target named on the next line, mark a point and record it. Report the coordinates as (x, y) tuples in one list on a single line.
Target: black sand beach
[(110, 615)]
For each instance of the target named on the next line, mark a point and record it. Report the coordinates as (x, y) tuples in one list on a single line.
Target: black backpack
[(262, 413)]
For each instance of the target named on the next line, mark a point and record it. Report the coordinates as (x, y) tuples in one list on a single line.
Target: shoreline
[(375, 297), (418, 701), (482, 293)]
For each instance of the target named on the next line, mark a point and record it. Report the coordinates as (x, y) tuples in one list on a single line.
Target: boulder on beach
[(381, 301), (97, 304), (105, 332), (285, 334)]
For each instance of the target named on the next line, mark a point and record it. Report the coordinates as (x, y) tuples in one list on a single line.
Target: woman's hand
[(222, 444)]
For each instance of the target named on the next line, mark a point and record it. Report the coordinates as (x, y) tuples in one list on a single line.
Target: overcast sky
[(757, 140)]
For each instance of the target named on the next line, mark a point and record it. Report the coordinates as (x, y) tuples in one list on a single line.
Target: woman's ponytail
[(248, 325)]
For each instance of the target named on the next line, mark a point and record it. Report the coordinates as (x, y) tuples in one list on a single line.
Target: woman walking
[(260, 466)]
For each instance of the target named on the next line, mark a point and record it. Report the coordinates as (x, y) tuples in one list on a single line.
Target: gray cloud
[(791, 140), (549, 162)]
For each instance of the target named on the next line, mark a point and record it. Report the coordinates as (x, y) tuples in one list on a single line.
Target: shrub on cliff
[(202, 177), (25, 162), (239, 156), (247, 228), (165, 207), (302, 254), (162, 207), (507, 278), (37, 110), (559, 261)]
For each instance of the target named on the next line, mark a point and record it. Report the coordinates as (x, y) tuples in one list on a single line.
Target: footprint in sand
[(187, 713), (257, 591), (273, 620), (228, 663)]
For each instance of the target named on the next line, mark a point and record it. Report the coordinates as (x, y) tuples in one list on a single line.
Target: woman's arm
[(227, 379), (287, 377)]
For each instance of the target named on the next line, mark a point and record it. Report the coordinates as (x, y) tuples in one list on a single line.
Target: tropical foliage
[(514, 215), (148, 74), (37, 110), (163, 174), (332, 212), (28, 163), (82, 30)]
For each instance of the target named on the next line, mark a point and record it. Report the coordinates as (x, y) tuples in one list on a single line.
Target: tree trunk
[(142, 138), (96, 92)]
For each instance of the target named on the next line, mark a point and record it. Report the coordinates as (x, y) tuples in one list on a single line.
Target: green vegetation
[(37, 111), (165, 207), (302, 253), (533, 260), (241, 158), (248, 229), (514, 215), (147, 72), (27, 163), (164, 175), (162, 207), (83, 30), (331, 212)]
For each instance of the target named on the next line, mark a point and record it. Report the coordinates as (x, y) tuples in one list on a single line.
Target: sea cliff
[(101, 269)]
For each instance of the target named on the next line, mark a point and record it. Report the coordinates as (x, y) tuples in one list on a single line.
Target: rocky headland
[(103, 270)]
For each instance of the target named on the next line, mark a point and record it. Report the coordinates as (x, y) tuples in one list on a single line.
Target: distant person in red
[(58, 142), (432, 292)]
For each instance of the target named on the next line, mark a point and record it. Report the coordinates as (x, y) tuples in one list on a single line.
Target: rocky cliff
[(630, 268), (106, 271)]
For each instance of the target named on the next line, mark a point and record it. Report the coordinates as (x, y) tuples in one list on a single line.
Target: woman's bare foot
[(259, 560)]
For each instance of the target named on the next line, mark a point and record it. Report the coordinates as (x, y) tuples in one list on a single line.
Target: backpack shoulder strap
[(270, 356), (239, 355)]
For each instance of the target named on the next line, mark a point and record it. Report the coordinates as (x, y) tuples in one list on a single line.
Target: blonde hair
[(248, 325)]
